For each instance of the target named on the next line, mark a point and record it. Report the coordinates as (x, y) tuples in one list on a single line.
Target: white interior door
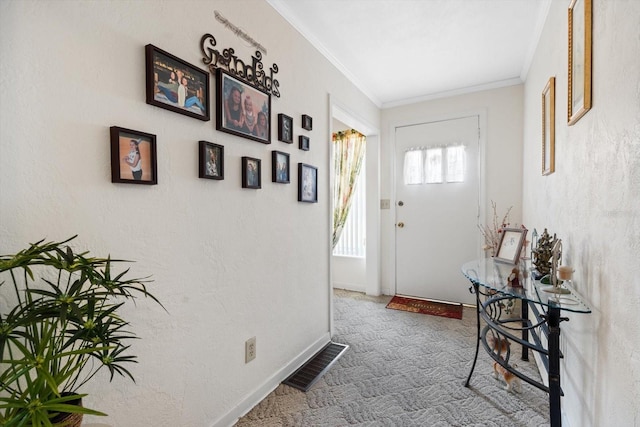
[(436, 222)]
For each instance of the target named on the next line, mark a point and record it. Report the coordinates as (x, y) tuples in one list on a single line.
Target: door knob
[(401, 225)]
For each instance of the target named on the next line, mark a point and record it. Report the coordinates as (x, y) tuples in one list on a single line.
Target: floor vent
[(307, 375)]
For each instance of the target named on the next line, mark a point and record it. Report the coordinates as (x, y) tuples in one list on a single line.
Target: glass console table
[(492, 287)]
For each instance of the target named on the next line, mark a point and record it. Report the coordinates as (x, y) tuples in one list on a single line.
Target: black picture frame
[(307, 122), (303, 142), (307, 183), (176, 85), (211, 160), (139, 165), (251, 172), (280, 167), (228, 86), (285, 128)]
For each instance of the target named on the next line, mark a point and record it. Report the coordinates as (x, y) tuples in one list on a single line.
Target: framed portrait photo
[(303, 142), (511, 245), (280, 170), (307, 122), (211, 160), (549, 127), (176, 85), (307, 183), (133, 157), (580, 34), (251, 173), (241, 109), (285, 128)]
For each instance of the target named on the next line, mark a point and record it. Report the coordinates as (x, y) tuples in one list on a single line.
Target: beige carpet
[(403, 369)]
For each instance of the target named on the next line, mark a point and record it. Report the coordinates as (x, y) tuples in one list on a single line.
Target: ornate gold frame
[(549, 127), (579, 87)]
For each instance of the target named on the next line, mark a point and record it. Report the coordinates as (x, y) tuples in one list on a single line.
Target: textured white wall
[(502, 109), (228, 263), (592, 202)]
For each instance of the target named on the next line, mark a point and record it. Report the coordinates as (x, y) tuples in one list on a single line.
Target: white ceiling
[(403, 51)]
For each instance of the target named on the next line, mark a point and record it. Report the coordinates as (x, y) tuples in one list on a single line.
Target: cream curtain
[(348, 149)]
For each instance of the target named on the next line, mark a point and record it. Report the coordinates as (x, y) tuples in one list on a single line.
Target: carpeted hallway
[(402, 369)]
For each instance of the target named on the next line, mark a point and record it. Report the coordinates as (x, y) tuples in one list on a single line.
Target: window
[(431, 165), (353, 238)]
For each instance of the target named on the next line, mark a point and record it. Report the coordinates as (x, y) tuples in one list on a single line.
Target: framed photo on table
[(511, 245), (241, 109), (176, 85), (580, 42), (133, 157)]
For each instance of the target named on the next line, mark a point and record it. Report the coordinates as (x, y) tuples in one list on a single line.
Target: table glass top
[(498, 276)]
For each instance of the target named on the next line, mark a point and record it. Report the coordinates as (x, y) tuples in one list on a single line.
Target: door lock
[(400, 203), (401, 225)]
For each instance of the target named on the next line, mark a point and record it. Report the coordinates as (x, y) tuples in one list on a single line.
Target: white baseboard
[(350, 287), (231, 417)]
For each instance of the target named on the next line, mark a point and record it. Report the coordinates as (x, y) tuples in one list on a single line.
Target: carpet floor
[(403, 369)]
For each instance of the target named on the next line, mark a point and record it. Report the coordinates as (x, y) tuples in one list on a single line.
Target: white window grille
[(432, 165), (353, 238), (455, 163)]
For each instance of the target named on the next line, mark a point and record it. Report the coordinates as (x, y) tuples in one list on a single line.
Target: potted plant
[(59, 326)]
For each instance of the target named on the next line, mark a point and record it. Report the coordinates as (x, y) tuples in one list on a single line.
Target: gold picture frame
[(579, 87), (549, 127)]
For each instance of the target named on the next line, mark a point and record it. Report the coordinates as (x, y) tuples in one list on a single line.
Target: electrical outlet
[(250, 350)]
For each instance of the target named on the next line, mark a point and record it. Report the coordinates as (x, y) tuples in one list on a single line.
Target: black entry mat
[(313, 369)]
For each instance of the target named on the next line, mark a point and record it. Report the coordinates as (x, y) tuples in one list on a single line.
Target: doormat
[(434, 308)]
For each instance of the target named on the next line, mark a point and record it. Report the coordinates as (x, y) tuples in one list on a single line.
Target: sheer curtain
[(348, 149), (433, 165)]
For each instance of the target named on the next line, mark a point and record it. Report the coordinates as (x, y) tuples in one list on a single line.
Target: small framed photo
[(133, 157), (303, 142), (176, 85), (511, 245), (251, 173), (307, 183), (241, 109), (285, 128), (280, 167), (549, 127), (211, 160), (307, 122)]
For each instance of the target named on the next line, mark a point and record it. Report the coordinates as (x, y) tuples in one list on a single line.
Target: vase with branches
[(61, 326), (492, 234)]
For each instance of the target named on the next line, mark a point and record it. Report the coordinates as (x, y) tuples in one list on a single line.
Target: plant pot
[(65, 419)]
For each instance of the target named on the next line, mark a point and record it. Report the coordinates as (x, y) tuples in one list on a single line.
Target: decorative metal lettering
[(238, 32), (253, 74)]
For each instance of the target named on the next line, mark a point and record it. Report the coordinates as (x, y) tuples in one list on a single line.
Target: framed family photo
[(285, 128), (303, 142), (251, 173), (176, 85), (280, 170), (511, 245), (307, 122), (241, 109), (211, 160), (307, 183), (133, 157), (549, 127), (579, 87)]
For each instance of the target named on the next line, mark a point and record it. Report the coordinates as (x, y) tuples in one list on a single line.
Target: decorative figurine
[(542, 255), (514, 278)]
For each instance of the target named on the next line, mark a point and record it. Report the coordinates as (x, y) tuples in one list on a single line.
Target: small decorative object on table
[(542, 255)]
